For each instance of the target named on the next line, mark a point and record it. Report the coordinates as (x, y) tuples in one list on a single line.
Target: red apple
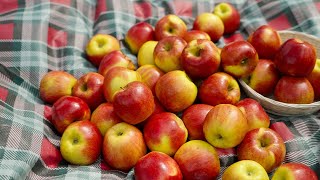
[(266, 41), (254, 112), (89, 89), (167, 53), (211, 24), (294, 171), (193, 118), (68, 109), (225, 126), (296, 58), (313, 78), (123, 146), (81, 143), (100, 45), (195, 34), (239, 59), (138, 34), (158, 133), (176, 91), (200, 58), (170, 25), (264, 146), (157, 165), (145, 53), (245, 170), (197, 159), (219, 88), (229, 15), (134, 103), (295, 90), (150, 74), (55, 84)]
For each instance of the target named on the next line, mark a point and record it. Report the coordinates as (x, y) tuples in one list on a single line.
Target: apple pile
[(169, 116)]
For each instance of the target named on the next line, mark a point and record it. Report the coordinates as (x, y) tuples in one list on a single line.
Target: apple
[(225, 126), (117, 78), (145, 53), (197, 159), (264, 146), (157, 165), (245, 170), (81, 143), (200, 58), (211, 24), (254, 112), (176, 91), (100, 45), (150, 74), (264, 77), (55, 84), (193, 118), (165, 132), (294, 90), (266, 41), (294, 171), (68, 109), (219, 88), (104, 117), (313, 78), (167, 53), (296, 58), (229, 15), (123, 145), (239, 59), (89, 89), (134, 103), (115, 59), (138, 34), (170, 25), (195, 34)]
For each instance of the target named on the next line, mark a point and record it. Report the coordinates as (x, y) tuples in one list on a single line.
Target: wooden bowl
[(279, 108)]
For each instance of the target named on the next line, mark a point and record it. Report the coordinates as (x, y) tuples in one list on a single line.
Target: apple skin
[(157, 165), (117, 78), (239, 59), (145, 53), (134, 103), (150, 74), (313, 78), (197, 159), (157, 133), (170, 25), (89, 89), (264, 146), (211, 24), (266, 41), (296, 58), (138, 34), (200, 58), (100, 45), (294, 90), (123, 145), (254, 112), (195, 34), (219, 88), (193, 118), (294, 171), (55, 84), (167, 53), (104, 117), (225, 126), (245, 170), (68, 109), (114, 59), (81, 143), (264, 77), (229, 15), (176, 91)]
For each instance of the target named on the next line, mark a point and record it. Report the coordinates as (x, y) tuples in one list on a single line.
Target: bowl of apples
[(286, 80)]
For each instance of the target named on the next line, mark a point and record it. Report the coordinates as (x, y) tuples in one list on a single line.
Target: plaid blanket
[(37, 36)]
